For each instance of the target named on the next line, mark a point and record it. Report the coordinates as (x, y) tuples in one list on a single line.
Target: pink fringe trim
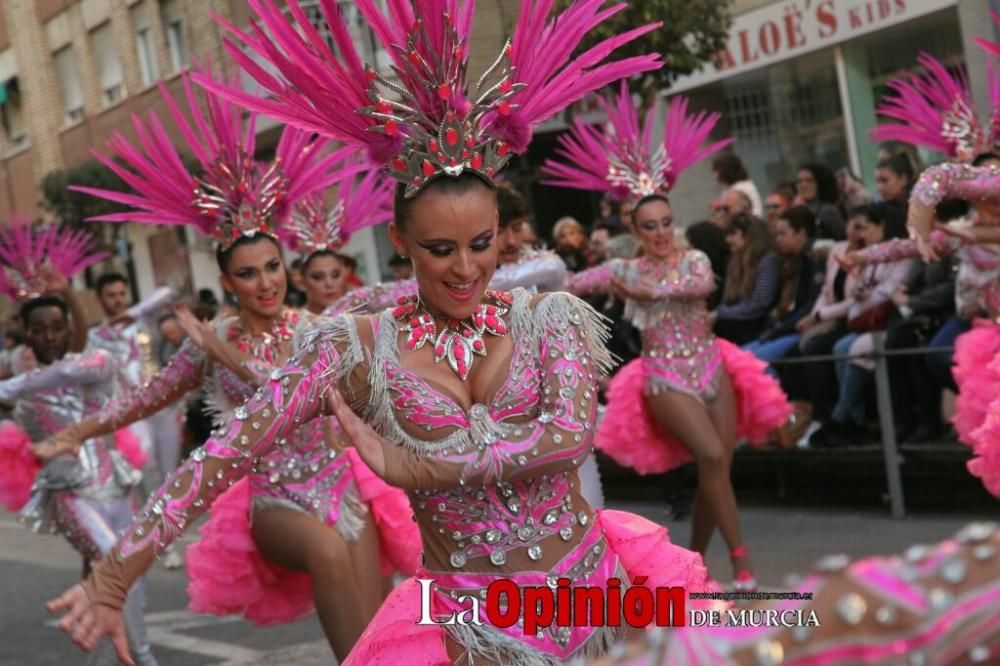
[(18, 466), (630, 436)]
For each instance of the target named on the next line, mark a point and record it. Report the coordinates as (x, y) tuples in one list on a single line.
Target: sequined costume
[(310, 472), (85, 497), (935, 604), (977, 297), (679, 353), (493, 488)]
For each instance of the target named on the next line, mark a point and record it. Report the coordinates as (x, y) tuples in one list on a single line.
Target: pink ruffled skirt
[(18, 467), (642, 548), (229, 576), (630, 436), (977, 408)]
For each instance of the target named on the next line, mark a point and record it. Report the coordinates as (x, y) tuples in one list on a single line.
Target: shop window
[(173, 27)]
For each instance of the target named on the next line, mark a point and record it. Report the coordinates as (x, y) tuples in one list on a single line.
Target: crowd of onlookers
[(786, 288)]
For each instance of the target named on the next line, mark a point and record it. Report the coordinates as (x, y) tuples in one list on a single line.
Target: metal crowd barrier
[(890, 447)]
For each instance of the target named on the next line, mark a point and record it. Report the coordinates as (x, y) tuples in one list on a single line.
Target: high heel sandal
[(744, 582)]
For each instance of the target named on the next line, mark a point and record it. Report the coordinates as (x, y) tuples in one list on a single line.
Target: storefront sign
[(783, 30)]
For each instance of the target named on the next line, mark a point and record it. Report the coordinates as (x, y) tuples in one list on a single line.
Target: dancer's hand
[(64, 441), (124, 319), (368, 442), (88, 622), (634, 292), (55, 281), (965, 234), (196, 329), (850, 260)]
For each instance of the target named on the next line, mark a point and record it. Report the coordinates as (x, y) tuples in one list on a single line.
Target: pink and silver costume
[(679, 353)]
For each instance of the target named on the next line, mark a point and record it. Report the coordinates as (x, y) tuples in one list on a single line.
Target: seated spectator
[(869, 313), (570, 243), (817, 188), (802, 279), (597, 251), (781, 198), (711, 240), (731, 174), (753, 281), (529, 237), (852, 191), (728, 206), (815, 383), (894, 179), (401, 267)]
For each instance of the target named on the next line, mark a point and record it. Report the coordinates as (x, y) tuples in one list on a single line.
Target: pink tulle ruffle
[(643, 547), (228, 575), (130, 447), (398, 535), (18, 466), (630, 436), (977, 377)]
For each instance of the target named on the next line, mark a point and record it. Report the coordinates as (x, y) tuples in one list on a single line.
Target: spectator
[(731, 174), (401, 267), (802, 279), (817, 188), (711, 240), (598, 249), (869, 313), (781, 198), (171, 337), (351, 264), (730, 204), (570, 243), (894, 179), (890, 149), (295, 296), (852, 191), (753, 280), (514, 214)]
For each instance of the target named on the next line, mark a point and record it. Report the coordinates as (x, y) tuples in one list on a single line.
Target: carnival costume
[(237, 197), (493, 487), (86, 497), (680, 353)]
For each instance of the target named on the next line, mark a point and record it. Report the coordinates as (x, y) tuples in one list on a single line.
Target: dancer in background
[(690, 396), (484, 403), (85, 496), (314, 539)]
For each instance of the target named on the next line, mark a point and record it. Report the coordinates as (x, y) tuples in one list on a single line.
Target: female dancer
[(690, 396), (487, 443), (86, 497), (303, 503)]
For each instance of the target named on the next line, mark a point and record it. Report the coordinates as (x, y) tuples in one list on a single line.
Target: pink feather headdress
[(624, 160), (934, 109), (428, 120), (27, 252), (359, 203), (234, 196)]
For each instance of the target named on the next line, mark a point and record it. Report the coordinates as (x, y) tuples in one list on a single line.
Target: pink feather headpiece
[(624, 160), (359, 203), (934, 109), (27, 252), (428, 120), (234, 196)]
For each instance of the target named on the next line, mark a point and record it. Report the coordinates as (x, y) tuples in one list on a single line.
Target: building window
[(148, 70), (12, 114), (109, 65), (69, 84), (173, 27), (362, 36)]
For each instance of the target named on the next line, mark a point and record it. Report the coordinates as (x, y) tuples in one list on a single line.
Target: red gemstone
[(370, 74), (465, 154), (467, 333), (459, 352), (477, 161), (451, 136), (491, 309), (469, 141), (444, 90), (433, 145), (390, 127), (441, 157), (236, 232), (382, 106), (492, 321), (439, 350), (415, 58), (415, 321), (453, 162), (459, 52), (399, 164), (505, 86), (450, 116), (502, 148), (427, 168), (504, 108), (478, 345)]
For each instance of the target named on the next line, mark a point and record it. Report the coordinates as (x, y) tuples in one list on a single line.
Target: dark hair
[(710, 239), (109, 278), (984, 157), (826, 183), (511, 204), (42, 302), (456, 185), (612, 228), (398, 260), (14, 336), (899, 165), (297, 263), (730, 168), (319, 253), (223, 256), (648, 199), (785, 189), (207, 296), (800, 218), (890, 216), (743, 266), (951, 209)]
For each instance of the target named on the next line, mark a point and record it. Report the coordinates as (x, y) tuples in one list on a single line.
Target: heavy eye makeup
[(651, 225), (248, 273), (443, 248)]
